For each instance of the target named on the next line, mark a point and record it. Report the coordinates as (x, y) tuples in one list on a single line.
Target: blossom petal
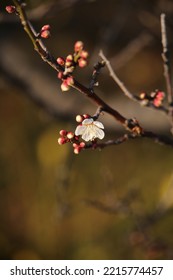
[(98, 124), (99, 133), (88, 134), (80, 130), (88, 121)]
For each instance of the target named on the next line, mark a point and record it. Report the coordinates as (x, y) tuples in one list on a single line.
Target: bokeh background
[(109, 204)]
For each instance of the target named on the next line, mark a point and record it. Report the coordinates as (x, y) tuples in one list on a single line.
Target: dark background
[(109, 204)]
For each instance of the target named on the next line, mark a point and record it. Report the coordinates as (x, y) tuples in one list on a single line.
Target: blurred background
[(109, 204)]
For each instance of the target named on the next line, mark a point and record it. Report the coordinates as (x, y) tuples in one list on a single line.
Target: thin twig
[(126, 91), (163, 140), (48, 58), (167, 69), (131, 125), (166, 60), (115, 77)]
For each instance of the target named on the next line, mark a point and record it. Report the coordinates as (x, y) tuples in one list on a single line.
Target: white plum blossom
[(90, 129)]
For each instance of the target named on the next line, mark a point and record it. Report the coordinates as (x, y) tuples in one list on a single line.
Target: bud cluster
[(155, 98), (80, 118), (70, 137), (78, 58), (45, 31)]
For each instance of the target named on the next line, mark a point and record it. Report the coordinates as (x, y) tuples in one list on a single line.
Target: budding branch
[(131, 125)]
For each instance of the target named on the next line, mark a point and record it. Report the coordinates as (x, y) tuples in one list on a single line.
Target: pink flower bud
[(84, 54), (65, 86), (78, 46), (77, 150), (69, 57), (60, 60), (86, 116), (79, 118), (10, 9), (82, 62), (70, 135), (45, 34), (75, 145), (142, 95), (63, 132), (45, 27), (62, 140), (68, 63), (60, 75), (70, 68), (70, 81), (160, 95), (82, 144)]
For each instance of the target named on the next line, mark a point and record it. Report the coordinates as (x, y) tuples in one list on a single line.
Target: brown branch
[(166, 61), (126, 92), (167, 70), (163, 140), (48, 58), (131, 125)]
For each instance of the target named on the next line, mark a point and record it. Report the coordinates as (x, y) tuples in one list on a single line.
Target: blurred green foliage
[(55, 205)]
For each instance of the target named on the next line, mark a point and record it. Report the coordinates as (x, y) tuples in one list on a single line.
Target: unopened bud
[(142, 95), (65, 86), (86, 116), (82, 144), (60, 60), (62, 140), (84, 54), (70, 135), (69, 57), (78, 46), (70, 81), (60, 75), (45, 27), (79, 118), (63, 132), (82, 62), (10, 9), (77, 150), (45, 34)]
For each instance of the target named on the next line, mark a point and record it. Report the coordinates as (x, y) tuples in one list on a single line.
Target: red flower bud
[(77, 150), (60, 75), (45, 27), (82, 62), (10, 9), (60, 60), (84, 54), (79, 118), (82, 144), (78, 46), (70, 135), (65, 86), (70, 81), (62, 140), (45, 34), (69, 57), (63, 132), (86, 116)]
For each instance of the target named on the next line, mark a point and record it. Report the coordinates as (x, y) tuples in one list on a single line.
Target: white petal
[(98, 124), (88, 121), (87, 135), (80, 130), (99, 133)]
